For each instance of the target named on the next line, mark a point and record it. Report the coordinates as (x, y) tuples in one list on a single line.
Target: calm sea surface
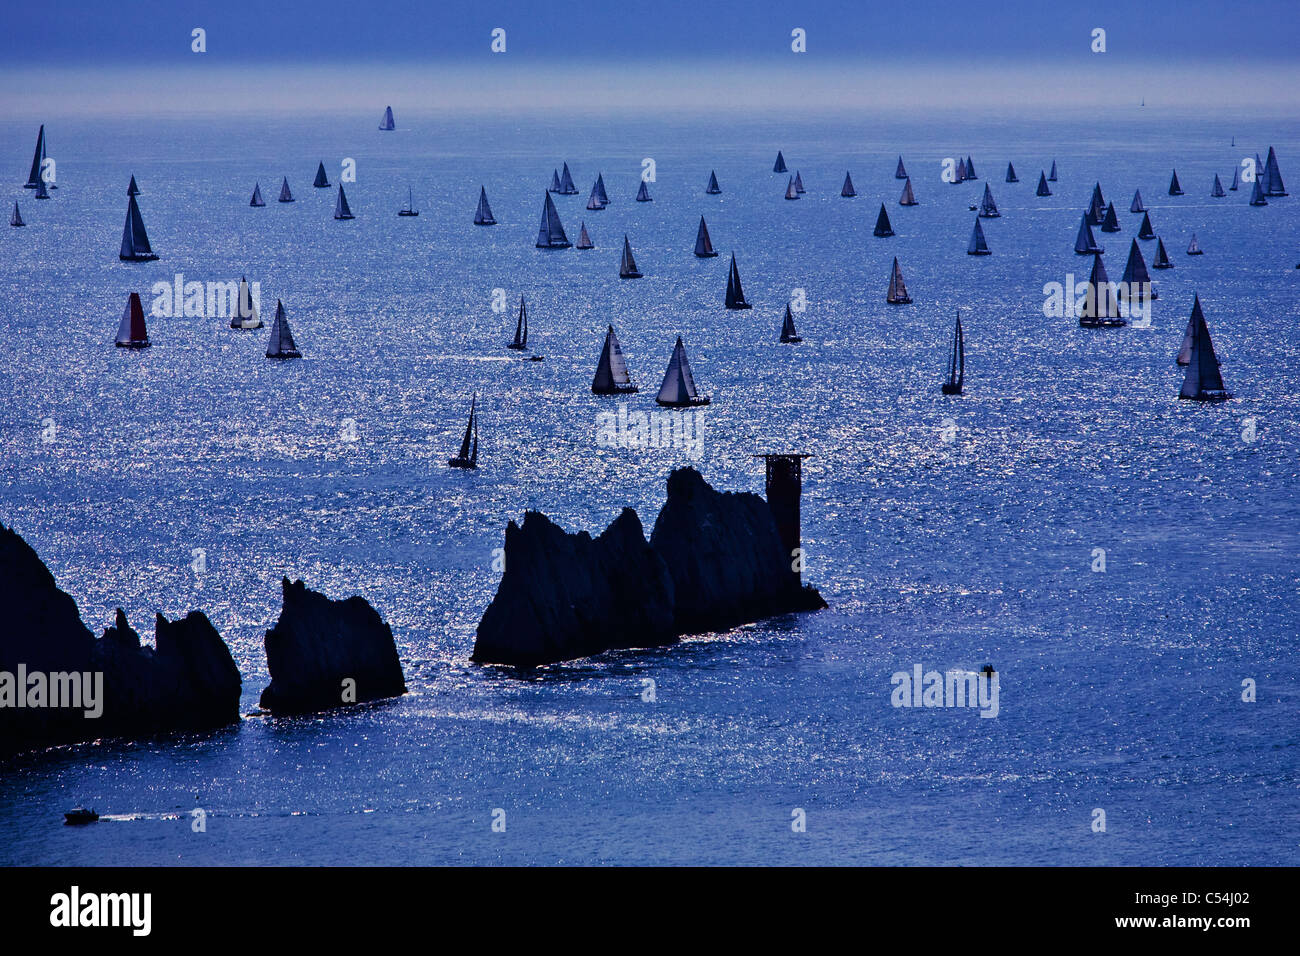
[(1120, 690)]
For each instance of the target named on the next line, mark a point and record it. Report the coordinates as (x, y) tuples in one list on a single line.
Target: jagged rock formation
[(187, 681), (715, 560), (318, 644)]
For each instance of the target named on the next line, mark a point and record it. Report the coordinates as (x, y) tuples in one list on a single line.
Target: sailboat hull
[(951, 389), (691, 402), (138, 257), (461, 463)]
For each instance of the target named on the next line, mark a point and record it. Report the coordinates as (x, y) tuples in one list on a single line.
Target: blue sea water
[(948, 532)]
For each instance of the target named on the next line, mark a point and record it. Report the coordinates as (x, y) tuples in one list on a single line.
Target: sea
[(1125, 561)]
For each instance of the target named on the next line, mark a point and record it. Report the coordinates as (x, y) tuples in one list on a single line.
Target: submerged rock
[(324, 653)]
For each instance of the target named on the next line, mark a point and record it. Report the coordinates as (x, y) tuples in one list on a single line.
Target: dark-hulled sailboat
[(1236, 180), (970, 169), (643, 193), (281, 344), (34, 177), (42, 192), (245, 316), (600, 190), (387, 123), (1085, 244), (1161, 259), (285, 194), (959, 175), (1136, 205), (1273, 175), (1043, 189), (703, 244), (584, 240), (1193, 249), (135, 241), (908, 198), (550, 234), (678, 389), (988, 208), (554, 187), (798, 183), (257, 196), (467, 457), (1100, 304), (409, 209), (612, 376), (1136, 283), (779, 165), (713, 188), (883, 228), (520, 343), (321, 181), (735, 294), (341, 208), (788, 334), (16, 218), (790, 191), (1174, 188), (899, 171), (567, 188), (1110, 222), (1203, 381), (1051, 177), (957, 360), (1217, 191), (483, 214), (593, 201), (1145, 231), (847, 190), (627, 264), (131, 333), (1257, 194), (1096, 206), (1011, 174), (897, 294), (977, 246)]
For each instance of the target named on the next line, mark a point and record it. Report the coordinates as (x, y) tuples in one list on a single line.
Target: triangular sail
[(735, 294), (600, 190), (1236, 180), (341, 208), (798, 183), (611, 371), (1100, 303), (897, 294), (555, 181), (713, 188), (1011, 174), (1204, 380), (704, 244), (1110, 223), (1257, 195), (521, 327), (470, 432), (678, 387), (34, 177), (627, 266), (1217, 192), (584, 240), (483, 214), (988, 208), (1096, 206), (847, 190), (779, 165), (643, 193), (1043, 189), (956, 360), (1136, 205), (970, 169), (883, 228), (1161, 259), (550, 234), (1273, 173), (900, 172), (321, 181), (257, 196), (17, 218), (1085, 243), (977, 246), (135, 241), (566, 183), (285, 195), (133, 189), (1189, 334), (1145, 231), (1192, 248), (41, 191), (245, 316), (131, 332), (790, 191), (387, 123), (1174, 188), (281, 344), (593, 201), (908, 198), (960, 176), (1136, 283), (1051, 177), (788, 332)]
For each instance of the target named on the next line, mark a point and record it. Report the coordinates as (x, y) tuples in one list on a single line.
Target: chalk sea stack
[(187, 681), (319, 643)]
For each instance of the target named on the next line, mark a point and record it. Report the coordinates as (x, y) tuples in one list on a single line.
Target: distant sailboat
[(131, 333), (321, 181), (281, 345), (1051, 177), (555, 181), (627, 265), (970, 169), (1193, 249), (1085, 244), (135, 241), (678, 389), (17, 218), (790, 191), (483, 214), (387, 123), (735, 294), (847, 190), (908, 198), (1136, 205), (468, 455), (133, 189), (612, 376), (600, 190), (977, 245), (550, 234), (788, 333), (703, 244), (1096, 206), (257, 196), (713, 188), (1136, 283), (798, 183), (1011, 174), (1161, 259), (1257, 195), (988, 208), (409, 209), (1217, 192), (593, 202), (567, 188), (897, 294), (643, 193), (960, 175), (520, 344), (341, 208), (1043, 189), (245, 316), (1100, 305), (41, 191), (779, 165), (1236, 180), (883, 228), (1110, 223), (285, 195), (1174, 188), (1204, 380), (34, 177), (1145, 231), (957, 360), (900, 172), (584, 240), (1273, 173)]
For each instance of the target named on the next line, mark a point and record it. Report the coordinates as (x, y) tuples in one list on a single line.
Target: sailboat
[(566, 183), (341, 208), (131, 333), (132, 189), (593, 201), (678, 389), (798, 183), (970, 169), (281, 345), (1096, 206), (550, 234), (1136, 282), (1257, 195), (1011, 174), (1100, 306), (977, 245), (555, 181), (135, 241), (703, 244), (897, 294), (957, 361), (900, 172), (627, 264), (988, 208), (1174, 188), (612, 377), (1204, 380), (790, 191), (779, 165), (1085, 244), (409, 209), (41, 191), (16, 219), (483, 214), (908, 198), (1110, 223), (600, 190), (643, 193), (735, 294), (257, 196), (883, 228), (1051, 177), (1145, 231), (1193, 249), (584, 240), (788, 333), (960, 174), (1236, 180), (34, 177), (1136, 205), (1161, 260), (1217, 192), (285, 195), (1043, 189), (1273, 173), (387, 123), (713, 188), (520, 344), (321, 181), (245, 316), (468, 455), (847, 190)]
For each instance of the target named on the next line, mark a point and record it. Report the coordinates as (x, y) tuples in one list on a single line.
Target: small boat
[(703, 244), (1136, 283), (1273, 175), (1203, 381), (1236, 180), (1043, 189), (285, 195), (627, 264), (779, 165), (1145, 231), (321, 181), (79, 816), (584, 240), (788, 333), (135, 241), (883, 228), (735, 294), (957, 361), (409, 209), (959, 175), (1011, 174), (899, 171), (1085, 244), (567, 188), (988, 208), (600, 190), (798, 183), (790, 191), (1100, 304), (908, 198), (1193, 249), (643, 193), (34, 178), (1256, 194), (1174, 188), (897, 294), (281, 345), (257, 196), (1217, 191), (1136, 205), (970, 169), (520, 344), (16, 218), (245, 316), (977, 246), (555, 182), (847, 190), (612, 376), (468, 455), (131, 333), (1051, 178), (1110, 222), (713, 188), (483, 214), (678, 389), (1096, 206), (341, 208), (593, 201), (387, 123), (42, 190), (1161, 259), (550, 234)]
